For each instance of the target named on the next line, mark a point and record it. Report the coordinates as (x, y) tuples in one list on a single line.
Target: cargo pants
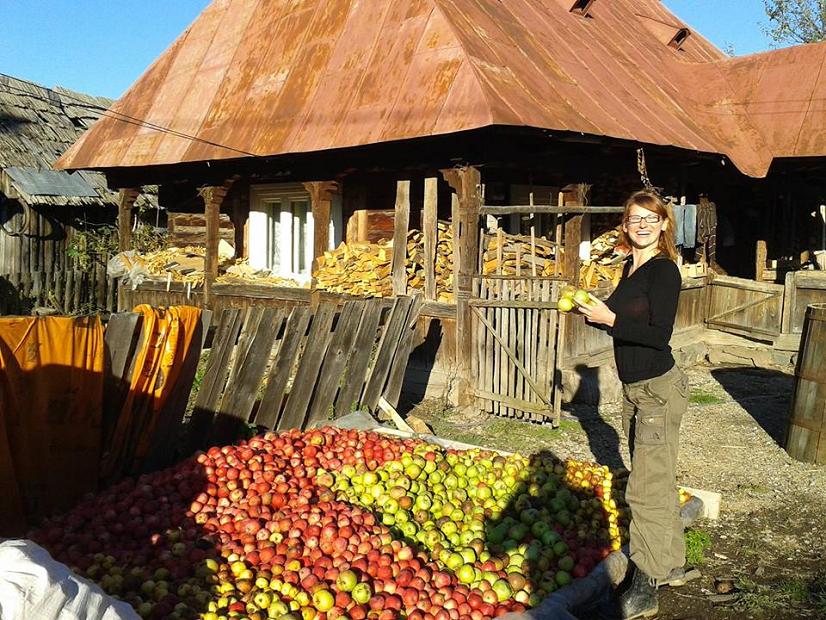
[(651, 415)]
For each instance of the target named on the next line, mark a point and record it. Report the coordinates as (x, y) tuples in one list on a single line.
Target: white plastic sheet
[(33, 586)]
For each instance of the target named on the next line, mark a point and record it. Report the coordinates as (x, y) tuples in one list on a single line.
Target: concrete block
[(591, 386)]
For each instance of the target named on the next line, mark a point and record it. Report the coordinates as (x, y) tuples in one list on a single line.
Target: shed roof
[(269, 77), (36, 126)]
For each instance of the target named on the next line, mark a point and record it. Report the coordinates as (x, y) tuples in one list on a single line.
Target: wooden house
[(42, 209), (307, 122)]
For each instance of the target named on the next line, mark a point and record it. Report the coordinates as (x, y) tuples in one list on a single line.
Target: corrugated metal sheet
[(269, 77), (49, 183)]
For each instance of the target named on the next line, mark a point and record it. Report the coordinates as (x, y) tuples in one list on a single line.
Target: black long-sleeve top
[(646, 305)]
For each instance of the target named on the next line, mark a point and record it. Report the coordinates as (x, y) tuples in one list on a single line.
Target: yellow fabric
[(51, 386), (167, 336)]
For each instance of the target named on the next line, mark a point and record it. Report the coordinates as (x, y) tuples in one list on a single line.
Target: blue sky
[(101, 46)]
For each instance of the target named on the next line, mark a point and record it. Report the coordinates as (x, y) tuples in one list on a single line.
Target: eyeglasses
[(649, 219)]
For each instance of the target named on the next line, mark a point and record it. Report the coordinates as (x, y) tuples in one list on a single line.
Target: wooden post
[(321, 199), (213, 196), (401, 224), (466, 182), (572, 240), (126, 199), (761, 255), (431, 238)]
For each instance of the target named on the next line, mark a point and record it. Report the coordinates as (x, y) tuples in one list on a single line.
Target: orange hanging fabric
[(51, 385), (167, 337)]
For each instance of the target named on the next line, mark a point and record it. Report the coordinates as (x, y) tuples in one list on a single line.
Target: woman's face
[(643, 227)]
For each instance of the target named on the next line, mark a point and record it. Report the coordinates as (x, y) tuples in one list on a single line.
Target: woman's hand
[(596, 311)]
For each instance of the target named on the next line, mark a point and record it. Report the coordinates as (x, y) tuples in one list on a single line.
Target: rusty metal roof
[(269, 77)]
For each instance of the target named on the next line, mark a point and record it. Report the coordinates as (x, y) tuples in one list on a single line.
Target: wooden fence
[(67, 291), (281, 368)]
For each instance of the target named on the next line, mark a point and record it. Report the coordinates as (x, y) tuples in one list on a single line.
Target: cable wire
[(114, 115)]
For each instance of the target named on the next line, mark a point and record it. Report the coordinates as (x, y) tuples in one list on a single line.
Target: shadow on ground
[(763, 393), (603, 439)]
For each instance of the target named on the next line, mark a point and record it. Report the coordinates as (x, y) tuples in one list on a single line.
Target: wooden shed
[(42, 209)]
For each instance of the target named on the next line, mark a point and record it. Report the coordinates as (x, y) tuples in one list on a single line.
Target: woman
[(639, 315)]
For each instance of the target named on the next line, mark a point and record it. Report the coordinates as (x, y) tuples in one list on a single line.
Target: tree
[(796, 21)]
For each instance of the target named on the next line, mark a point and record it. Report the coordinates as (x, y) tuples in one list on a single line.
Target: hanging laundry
[(690, 225)]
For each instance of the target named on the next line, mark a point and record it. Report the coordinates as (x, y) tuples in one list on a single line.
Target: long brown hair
[(652, 202)]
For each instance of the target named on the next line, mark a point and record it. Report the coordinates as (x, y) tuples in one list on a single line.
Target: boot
[(639, 598), (678, 577)]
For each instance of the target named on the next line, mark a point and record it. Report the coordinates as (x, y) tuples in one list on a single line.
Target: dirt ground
[(771, 534)]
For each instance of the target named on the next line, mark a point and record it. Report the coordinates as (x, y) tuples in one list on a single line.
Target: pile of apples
[(341, 524)]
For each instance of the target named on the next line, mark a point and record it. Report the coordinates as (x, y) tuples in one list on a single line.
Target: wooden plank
[(80, 277), (505, 369), (484, 361), (215, 376), (212, 209), (123, 333), (321, 200), (59, 280), (746, 305), (335, 360), (495, 316), (249, 328), (430, 236), (380, 367), (401, 224), (296, 408), (570, 258), (395, 378), (514, 404), (269, 412), (355, 375), (761, 255), (391, 412), (126, 199), (248, 374), (466, 182), (744, 284), (546, 209), (559, 350)]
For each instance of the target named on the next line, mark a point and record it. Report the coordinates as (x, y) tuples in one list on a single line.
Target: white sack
[(33, 586)]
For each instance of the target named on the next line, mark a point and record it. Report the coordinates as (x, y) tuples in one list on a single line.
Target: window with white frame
[(281, 230)]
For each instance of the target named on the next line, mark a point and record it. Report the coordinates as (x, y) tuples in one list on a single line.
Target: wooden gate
[(745, 307), (515, 338)]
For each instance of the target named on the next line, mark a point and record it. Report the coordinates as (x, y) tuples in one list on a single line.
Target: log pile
[(186, 265), (364, 269), (606, 261), (521, 255)]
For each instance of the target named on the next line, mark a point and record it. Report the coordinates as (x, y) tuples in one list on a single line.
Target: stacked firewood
[(522, 255), (606, 261), (518, 255), (365, 269), (443, 266)]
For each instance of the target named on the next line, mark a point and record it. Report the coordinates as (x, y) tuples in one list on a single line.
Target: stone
[(591, 385)]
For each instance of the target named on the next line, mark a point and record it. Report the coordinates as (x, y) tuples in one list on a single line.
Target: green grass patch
[(697, 542), (499, 433), (699, 397), (785, 594)]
